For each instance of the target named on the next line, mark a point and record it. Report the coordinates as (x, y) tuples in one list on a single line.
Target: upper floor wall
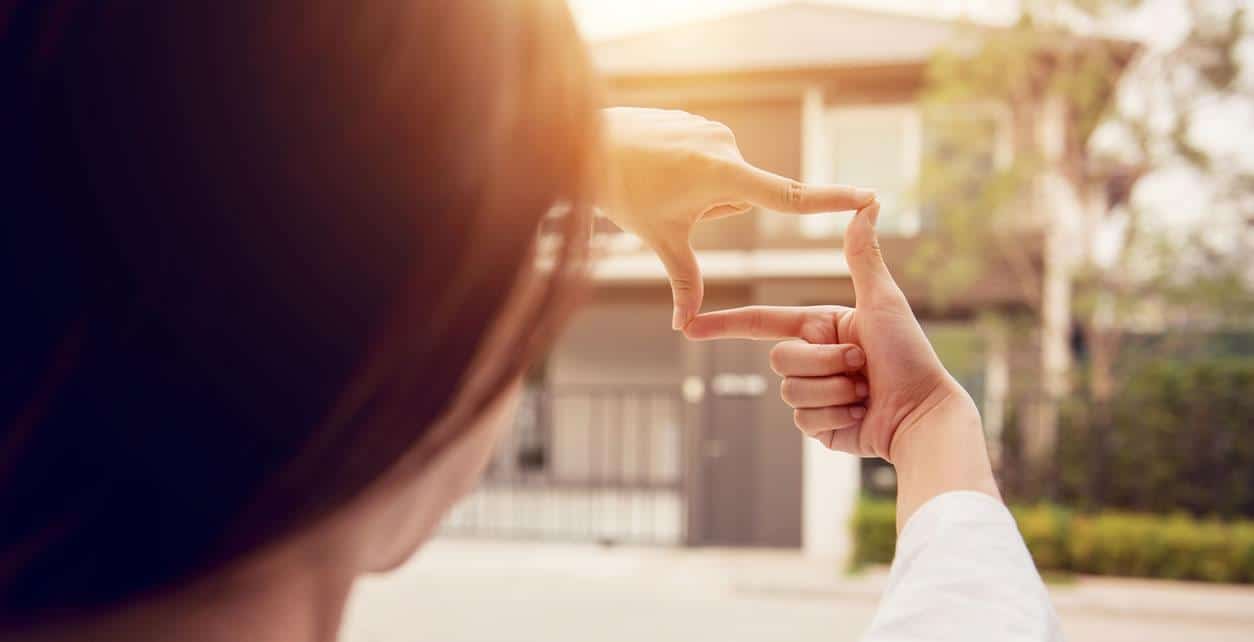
[(794, 35)]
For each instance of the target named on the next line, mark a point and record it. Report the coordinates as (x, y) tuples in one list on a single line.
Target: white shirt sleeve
[(963, 573)]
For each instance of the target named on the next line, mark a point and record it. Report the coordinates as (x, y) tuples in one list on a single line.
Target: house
[(632, 433)]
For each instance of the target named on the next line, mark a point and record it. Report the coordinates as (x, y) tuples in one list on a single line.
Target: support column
[(996, 383), (1061, 213), (830, 485)]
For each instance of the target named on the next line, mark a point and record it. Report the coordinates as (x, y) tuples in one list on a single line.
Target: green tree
[(1042, 132)]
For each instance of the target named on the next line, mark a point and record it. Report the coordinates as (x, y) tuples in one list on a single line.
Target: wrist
[(948, 409), (942, 450)]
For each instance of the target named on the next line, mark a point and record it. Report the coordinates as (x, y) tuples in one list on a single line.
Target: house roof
[(788, 36)]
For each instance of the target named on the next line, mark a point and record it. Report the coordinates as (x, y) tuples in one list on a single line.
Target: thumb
[(684, 273), (870, 275)]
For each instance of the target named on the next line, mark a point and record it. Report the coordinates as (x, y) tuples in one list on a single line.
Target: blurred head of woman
[(269, 276)]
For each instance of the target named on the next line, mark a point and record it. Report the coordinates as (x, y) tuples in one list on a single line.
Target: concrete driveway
[(486, 591)]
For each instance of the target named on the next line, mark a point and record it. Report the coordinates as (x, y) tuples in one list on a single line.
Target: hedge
[(1178, 438), (1177, 547)]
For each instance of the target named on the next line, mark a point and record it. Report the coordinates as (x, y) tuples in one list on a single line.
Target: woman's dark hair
[(250, 251)]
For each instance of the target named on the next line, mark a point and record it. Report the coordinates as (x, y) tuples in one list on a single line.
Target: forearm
[(943, 450), (961, 570)]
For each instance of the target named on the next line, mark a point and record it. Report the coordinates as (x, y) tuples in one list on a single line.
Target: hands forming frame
[(862, 380)]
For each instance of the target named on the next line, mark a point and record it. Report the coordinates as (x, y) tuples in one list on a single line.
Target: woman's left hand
[(668, 170)]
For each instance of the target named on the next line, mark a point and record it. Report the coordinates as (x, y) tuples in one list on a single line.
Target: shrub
[(875, 532), (1104, 543), (1045, 529), (1177, 438)]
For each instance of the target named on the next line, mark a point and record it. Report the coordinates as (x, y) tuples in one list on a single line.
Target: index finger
[(762, 322), (782, 194)]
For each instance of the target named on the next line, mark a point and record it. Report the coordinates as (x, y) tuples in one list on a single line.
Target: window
[(876, 146), (963, 149)]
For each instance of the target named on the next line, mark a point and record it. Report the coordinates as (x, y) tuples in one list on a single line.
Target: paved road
[(498, 592)]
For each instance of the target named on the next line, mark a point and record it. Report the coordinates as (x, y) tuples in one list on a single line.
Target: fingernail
[(861, 389), (855, 358), (857, 412), (864, 195)]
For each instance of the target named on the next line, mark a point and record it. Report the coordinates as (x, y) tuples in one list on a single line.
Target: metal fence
[(594, 463)]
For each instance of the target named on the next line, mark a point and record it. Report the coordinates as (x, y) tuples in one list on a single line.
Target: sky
[(1158, 22), (602, 19)]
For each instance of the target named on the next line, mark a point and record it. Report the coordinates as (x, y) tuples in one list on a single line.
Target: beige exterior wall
[(618, 343)]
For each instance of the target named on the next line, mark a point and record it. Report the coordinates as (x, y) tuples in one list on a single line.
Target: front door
[(724, 450)]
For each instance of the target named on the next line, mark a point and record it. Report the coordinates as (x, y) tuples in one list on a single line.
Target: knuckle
[(788, 390), (842, 387), (830, 314), (835, 417), (683, 284), (724, 172), (700, 162), (755, 321), (819, 330), (833, 360), (794, 193), (869, 250)]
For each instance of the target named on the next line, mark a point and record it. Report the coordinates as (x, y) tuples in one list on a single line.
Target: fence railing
[(585, 462)]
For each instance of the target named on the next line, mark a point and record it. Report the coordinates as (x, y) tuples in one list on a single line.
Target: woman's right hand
[(834, 348), (914, 414)]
